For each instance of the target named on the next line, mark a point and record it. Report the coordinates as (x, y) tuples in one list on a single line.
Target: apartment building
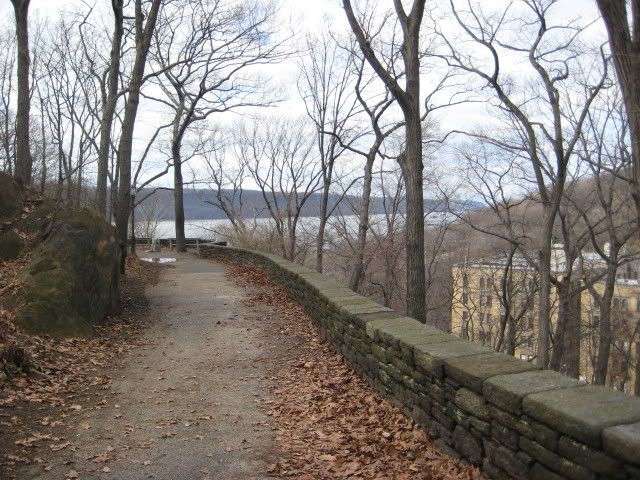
[(495, 304)]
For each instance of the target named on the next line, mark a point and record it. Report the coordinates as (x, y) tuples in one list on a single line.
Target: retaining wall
[(497, 412)]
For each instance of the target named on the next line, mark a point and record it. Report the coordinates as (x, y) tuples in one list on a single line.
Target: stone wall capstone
[(497, 412)]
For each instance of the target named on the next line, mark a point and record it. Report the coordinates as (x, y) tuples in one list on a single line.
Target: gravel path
[(186, 404)]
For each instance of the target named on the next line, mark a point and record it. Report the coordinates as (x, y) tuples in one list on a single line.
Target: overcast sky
[(304, 16)]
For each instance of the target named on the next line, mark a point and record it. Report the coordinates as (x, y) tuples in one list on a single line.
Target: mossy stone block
[(472, 372), (72, 280), (507, 391), (472, 403), (11, 196), (623, 441), (431, 357), (583, 412)]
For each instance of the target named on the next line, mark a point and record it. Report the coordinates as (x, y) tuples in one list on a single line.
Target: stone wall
[(505, 415)]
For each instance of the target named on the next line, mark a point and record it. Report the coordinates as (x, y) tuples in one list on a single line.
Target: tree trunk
[(565, 356), (573, 332), (357, 270), (412, 171), (604, 328), (43, 173), (636, 383), (23, 161), (323, 223), (143, 39), (178, 197), (544, 293), (132, 246), (109, 108), (626, 58), (557, 354)]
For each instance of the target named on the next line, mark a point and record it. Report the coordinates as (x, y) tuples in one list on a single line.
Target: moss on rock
[(11, 196), (11, 245), (71, 283)]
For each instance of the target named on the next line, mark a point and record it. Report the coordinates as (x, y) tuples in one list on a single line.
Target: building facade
[(494, 303)]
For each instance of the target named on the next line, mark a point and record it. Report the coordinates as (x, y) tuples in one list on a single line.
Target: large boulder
[(71, 282), (11, 245), (11, 197)]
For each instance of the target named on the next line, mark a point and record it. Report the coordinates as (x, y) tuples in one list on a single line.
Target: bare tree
[(605, 209), (69, 100), (150, 212), (226, 176), (23, 153), (7, 117), (624, 41), (278, 155), (408, 99), (143, 36), (109, 96), (207, 51), (325, 85), (541, 133)]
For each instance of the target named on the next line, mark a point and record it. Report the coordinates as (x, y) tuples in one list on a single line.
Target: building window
[(489, 300), (481, 282), (621, 303), (465, 298)]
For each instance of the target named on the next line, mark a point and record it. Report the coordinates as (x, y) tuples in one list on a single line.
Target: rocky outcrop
[(11, 197), (71, 282)]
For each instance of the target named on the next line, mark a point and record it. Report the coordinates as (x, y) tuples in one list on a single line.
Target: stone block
[(472, 372), (582, 412), (418, 377), (545, 436), (595, 460), (472, 403), (364, 308), (504, 435), (507, 391), (516, 465), (554, 462), (469, 446), (481, 426), (392, 327), (435, 392), (441, 416), (519, 424), (494, 472), (363, 319), (431, 357), (401, 365), (538, 472), (632, 472), (424, 402), (379, 353), (459, 416), (623, 441)]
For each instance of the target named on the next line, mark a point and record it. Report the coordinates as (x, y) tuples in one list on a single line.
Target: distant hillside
[(198, 206)]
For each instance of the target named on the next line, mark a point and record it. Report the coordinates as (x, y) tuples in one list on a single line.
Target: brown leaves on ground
[(330, 423), (61, 369)]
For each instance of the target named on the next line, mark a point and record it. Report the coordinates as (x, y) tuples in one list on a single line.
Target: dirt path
[(186, 404)]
